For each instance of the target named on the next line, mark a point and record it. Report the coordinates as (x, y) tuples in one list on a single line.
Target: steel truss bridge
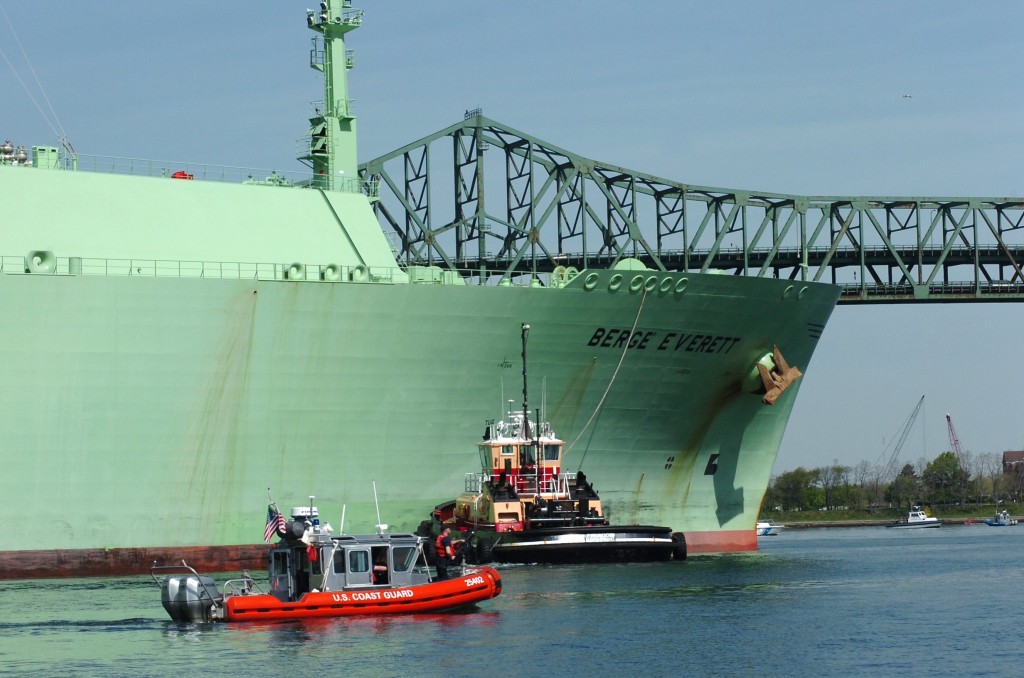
[(549, 213)]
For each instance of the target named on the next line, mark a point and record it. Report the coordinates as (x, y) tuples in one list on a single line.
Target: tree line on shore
[(945, 480)]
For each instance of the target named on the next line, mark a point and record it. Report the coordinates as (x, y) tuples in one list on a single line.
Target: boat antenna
[(341, 530), (526, 407), (380, 526), (543, 400)]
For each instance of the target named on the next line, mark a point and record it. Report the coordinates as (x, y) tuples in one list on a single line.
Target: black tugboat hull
[(567, 545)]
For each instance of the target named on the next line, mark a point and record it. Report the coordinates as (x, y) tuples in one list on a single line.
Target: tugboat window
[(358, 561), (507, 450), (551, 453)]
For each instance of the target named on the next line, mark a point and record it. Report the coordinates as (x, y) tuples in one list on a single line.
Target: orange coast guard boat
[(314, 574)]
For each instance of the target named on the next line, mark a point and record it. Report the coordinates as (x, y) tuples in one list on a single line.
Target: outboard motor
[(190, 598)]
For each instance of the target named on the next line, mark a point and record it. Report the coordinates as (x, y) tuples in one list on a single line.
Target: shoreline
[(802, 525)]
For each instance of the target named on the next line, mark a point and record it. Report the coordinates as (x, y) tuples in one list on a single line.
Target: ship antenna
[(42, 91), (526, 408)]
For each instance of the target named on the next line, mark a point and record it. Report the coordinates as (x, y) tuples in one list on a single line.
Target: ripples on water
[(837, 602)]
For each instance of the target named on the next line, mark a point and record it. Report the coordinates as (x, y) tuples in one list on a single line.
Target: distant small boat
[(768, 528), (917, 518), (1001, 519)]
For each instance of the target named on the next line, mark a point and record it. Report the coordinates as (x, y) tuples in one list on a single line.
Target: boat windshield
[(404, 557)]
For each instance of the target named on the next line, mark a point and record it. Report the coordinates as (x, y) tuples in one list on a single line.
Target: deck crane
[(900, 439), (954, 441)]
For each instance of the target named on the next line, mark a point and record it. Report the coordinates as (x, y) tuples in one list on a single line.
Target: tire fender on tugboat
[(483, 553), (679, 546)]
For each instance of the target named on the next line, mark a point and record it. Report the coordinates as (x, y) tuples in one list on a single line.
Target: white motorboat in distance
[(768, 528), (917, 517)]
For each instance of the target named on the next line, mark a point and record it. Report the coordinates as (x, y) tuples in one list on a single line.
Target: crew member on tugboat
[(444, 552)]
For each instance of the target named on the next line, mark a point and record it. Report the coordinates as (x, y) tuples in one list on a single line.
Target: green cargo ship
[(172, 347)]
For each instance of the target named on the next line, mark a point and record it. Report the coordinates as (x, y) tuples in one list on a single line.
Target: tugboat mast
[(526, 408), (331, 149)]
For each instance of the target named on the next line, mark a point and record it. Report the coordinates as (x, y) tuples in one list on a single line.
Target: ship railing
[(176, 169), (245, 586), (44, 263), (559, 485), (420, 275), (181, 568), (183, 170)]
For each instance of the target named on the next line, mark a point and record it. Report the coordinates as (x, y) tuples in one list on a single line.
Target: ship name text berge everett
[(613, 337)]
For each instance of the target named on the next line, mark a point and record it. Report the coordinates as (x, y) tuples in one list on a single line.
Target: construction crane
[(901, 438), (954, 441)]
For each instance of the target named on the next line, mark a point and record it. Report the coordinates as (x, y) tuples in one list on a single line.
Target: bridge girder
[(547, 207)]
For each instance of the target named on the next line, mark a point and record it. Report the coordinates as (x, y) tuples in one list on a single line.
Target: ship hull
[(171, 349), (154, 412)]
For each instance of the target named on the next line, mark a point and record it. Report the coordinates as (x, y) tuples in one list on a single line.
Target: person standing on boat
[(445, 552)]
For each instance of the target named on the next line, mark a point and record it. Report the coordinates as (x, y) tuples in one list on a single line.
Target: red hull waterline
[(59, 563), (722, 541)]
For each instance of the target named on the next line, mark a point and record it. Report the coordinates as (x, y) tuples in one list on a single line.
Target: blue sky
[(791, 97)]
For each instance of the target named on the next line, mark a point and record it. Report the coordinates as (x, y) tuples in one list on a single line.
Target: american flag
[(275, 523)]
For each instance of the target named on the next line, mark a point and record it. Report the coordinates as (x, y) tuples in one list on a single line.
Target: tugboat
[(523, 507), (313, 573)]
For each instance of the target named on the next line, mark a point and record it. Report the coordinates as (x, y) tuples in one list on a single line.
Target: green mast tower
[(331, 150)]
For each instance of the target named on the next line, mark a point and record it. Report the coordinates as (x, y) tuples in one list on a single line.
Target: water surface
[(830, 601)]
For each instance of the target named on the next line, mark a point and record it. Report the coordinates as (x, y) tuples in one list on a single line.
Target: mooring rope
[(611, 381)]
